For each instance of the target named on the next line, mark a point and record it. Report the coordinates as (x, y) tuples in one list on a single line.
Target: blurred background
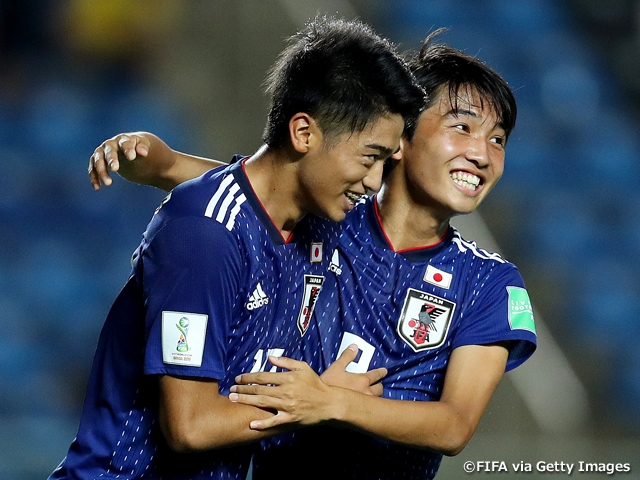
[(76, 72)]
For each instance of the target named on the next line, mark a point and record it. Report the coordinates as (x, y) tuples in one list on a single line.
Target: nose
[(373, 181), (478, 152)]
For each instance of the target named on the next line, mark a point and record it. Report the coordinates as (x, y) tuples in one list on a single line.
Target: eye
[(462, 127), (370, 159), (499, 140)]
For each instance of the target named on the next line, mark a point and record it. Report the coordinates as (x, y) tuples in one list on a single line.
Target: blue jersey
[(214, 290), (407, 311)]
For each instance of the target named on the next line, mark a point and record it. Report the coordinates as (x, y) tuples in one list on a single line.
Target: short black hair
[(441, 67), (342, 74)]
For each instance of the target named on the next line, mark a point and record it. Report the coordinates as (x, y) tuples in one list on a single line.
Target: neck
[(407, 222), (272, 175)]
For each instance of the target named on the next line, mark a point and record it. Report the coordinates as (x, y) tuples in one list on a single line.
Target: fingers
[(273, 378), (346, 357), (376, 375), (376, 390), (288, 363), (259, 396), (98, 169), (279, 419), (106, 158), (132, 146), (265, 402)]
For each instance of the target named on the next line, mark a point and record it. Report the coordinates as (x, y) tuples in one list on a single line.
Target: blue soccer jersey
[(407, 311), (214, 290)]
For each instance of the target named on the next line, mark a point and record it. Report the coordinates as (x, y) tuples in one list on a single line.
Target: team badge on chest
[(312, 287), (425, 320)]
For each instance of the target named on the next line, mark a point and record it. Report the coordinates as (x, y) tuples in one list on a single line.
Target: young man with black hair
[(189, 319), (443, 316)]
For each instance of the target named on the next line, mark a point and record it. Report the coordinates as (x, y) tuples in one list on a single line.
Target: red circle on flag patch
[(437, 277), (317, 252)]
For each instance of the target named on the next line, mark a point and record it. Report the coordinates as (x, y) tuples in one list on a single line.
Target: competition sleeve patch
[(520, 310), (183, 336)]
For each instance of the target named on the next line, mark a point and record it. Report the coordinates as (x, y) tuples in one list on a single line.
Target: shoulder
[(215, 196), (470, 249), (203, 210), (200, 195)]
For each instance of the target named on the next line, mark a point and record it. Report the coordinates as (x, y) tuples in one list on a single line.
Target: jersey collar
[(416, 254), (240, 175)]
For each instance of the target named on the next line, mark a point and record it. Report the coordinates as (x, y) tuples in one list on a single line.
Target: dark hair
[(342, 74), (439, 66)]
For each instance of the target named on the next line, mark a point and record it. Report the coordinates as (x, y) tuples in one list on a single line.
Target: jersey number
[(360, 365), (260, 359)]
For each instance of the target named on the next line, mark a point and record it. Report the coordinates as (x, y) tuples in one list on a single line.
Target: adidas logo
[(257, 299), (334, 266)]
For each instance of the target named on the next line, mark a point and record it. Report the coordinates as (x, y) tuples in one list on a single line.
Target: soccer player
[(445, 317), (190, 319)]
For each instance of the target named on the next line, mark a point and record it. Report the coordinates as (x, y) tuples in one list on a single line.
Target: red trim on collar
[(285, 240), (386, 237)]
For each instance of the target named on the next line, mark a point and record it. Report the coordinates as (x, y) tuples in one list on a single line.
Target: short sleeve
[(191, 276), (500, 312)]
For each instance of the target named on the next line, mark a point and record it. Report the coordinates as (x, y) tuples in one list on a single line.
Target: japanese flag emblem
[(316, 252), (437, 277)]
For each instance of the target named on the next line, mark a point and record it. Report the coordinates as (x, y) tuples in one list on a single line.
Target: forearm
[(446, 425), (184, 167), (195, 417), (160, 166), (207, 429), (435, 425)]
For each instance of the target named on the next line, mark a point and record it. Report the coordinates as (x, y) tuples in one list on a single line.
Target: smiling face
[(335, 176), (456, 155)]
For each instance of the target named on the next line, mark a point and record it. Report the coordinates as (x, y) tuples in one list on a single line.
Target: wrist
[(339, 406)]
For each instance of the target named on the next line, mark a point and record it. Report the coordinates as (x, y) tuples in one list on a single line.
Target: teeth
[(466, 180), (354, 197)]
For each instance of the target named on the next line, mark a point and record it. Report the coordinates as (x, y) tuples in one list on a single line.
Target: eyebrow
[(462, 112), (469, 113), (381, 148)]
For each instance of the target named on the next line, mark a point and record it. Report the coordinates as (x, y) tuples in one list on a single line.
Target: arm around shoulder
[(143, 158)]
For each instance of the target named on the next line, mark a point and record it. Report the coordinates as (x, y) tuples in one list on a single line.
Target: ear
[(397, 156), (303, 132)]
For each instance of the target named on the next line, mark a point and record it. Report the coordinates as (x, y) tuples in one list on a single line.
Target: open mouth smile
[(466, 180), (354, 197)]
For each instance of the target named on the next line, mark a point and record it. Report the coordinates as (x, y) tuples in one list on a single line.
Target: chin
[(336, 216), (463, 209)]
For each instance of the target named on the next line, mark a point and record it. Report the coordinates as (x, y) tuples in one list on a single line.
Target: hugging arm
[(446, 425), (143, 158)]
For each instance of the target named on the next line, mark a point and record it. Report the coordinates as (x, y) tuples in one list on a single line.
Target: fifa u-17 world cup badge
[(183, 336), (425, 320), (312, 287)]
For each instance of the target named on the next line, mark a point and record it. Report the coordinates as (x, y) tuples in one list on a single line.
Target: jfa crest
[(425, 320), (312, 287)]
